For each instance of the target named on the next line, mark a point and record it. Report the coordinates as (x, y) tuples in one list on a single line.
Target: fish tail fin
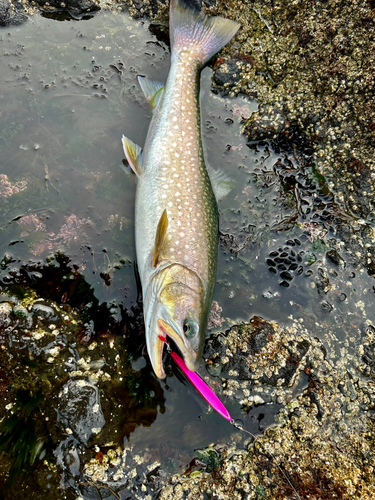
[(193, 30)]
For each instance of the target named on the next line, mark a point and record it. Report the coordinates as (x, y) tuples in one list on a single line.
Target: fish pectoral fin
[(161, 234), (152, 90), (133, 154), (221, 183)]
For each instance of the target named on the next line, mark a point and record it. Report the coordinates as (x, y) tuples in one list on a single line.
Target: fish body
[(176, 216)]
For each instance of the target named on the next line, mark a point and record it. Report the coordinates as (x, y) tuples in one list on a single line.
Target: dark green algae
[(53, 368), (302, 62)]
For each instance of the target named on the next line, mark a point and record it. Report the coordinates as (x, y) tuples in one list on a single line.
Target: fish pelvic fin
[(222, 183), (195, 31), (134, 155), (161, 234), (152, 90)]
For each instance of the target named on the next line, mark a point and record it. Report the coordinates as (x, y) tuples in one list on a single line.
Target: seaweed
[(18, 435)]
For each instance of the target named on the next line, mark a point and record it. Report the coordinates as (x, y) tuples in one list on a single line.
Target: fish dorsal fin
[(133, 154), (152, 90), (221, 183), (161, 234)]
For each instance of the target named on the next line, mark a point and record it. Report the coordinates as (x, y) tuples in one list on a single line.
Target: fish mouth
[(157, 358), (189, 356)]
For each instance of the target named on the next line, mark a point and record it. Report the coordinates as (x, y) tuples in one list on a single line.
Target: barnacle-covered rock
[(322, 445)]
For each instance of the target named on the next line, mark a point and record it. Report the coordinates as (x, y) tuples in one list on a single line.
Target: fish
[(176, 214)]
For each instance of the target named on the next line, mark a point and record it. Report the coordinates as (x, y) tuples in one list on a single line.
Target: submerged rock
[(79, 409), (11, 13)]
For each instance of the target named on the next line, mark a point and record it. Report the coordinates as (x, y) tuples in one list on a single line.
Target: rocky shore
[(62, 367)]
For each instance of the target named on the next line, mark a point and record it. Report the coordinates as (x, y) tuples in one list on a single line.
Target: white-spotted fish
[(176, 217)]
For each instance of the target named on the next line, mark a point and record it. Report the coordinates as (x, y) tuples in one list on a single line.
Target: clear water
[(68, 91)]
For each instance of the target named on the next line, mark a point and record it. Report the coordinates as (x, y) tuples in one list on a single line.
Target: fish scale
[(176, 216)]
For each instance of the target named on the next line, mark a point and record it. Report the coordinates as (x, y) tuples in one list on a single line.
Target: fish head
[(178, 310)]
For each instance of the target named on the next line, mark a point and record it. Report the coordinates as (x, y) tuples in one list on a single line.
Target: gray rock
[(75, 7), (79, 410), (11, 14)]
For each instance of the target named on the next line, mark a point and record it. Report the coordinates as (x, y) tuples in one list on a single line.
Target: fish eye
[(191, 328)]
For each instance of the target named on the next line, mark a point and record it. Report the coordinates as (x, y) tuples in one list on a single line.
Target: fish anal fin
[(152, 90), (133, 154), (160, 237)]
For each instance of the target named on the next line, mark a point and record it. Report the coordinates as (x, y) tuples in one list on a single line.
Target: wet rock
[(75, 7), (44, 311), (247, 353), (151, 8), (215, 319), (79, 410), (368, 356), (322, 282), (263, 125), (11, 13), (227, 74), (334, 257), (6, 309)]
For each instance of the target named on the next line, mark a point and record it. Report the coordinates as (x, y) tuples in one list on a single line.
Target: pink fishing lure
[(200, 385)]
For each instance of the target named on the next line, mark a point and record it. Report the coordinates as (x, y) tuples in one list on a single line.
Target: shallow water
[(68, 93)]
